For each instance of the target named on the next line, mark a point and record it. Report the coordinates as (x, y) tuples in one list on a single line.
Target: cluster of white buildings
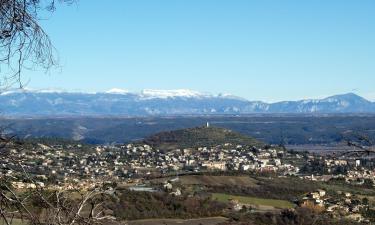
[(69, 164)]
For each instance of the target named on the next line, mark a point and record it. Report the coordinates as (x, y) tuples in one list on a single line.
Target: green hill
[(199, 137)]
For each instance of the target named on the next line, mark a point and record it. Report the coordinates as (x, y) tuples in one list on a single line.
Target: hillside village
[(78, 166), (69, 164)]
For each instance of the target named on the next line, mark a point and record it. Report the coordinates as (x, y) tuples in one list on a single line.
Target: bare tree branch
[(23, 42)]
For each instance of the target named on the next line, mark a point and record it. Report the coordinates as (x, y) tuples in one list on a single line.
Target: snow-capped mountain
[(117, 91), (164, 102), (164, 94)]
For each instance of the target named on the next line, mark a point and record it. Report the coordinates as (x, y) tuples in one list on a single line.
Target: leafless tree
[(23, 42), (36, 205), (25, 45), (361, 143)]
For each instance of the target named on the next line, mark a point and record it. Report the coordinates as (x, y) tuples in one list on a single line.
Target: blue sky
[(258, 49)]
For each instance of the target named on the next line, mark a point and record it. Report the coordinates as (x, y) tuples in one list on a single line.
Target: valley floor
[(204, 221)]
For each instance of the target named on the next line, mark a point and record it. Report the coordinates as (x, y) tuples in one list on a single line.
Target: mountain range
[(117, 102)]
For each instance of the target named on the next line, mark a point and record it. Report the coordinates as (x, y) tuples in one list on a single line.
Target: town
[(134, 166)]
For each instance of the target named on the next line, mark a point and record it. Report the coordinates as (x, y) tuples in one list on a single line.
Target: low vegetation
[(281, 204), (271, 188), (213, 180), (299, 216), (142, 205), (197, 137)]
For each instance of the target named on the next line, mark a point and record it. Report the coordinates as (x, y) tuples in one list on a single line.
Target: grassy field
[(281, 204), (348, 188), (205, 221), (15, 222)]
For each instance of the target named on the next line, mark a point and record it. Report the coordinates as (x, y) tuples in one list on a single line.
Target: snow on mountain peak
[(117, 91), (48, 91), (30, 90), (151, 93)]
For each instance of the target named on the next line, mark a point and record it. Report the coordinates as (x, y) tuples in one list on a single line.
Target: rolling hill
[(290, 129), (199, 137)]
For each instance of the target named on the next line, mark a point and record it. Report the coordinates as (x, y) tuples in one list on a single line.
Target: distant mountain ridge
[(118, 102)]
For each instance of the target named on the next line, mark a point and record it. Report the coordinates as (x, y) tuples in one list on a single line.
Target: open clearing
[(200, 221), (206, 180), (281, 204), (15, 222)]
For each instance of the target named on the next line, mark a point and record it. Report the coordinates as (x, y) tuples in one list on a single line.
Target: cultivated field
[(280, 204)]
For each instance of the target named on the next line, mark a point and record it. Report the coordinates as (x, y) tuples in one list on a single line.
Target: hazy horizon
[(264, 50), (167, 92)]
